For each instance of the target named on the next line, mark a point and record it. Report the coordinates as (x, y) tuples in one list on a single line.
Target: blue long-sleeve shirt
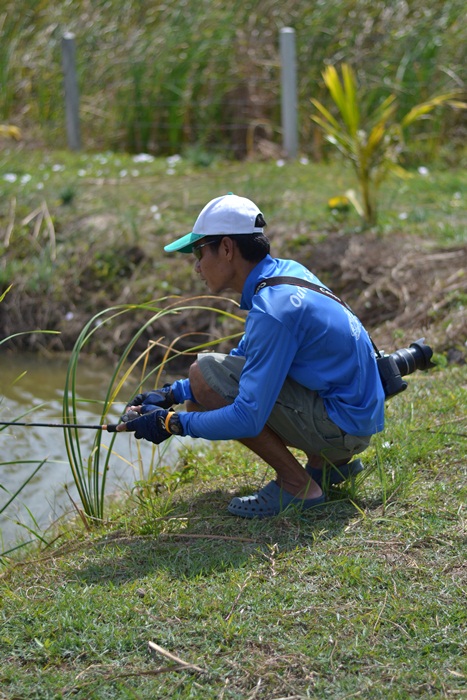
[(295, 332)]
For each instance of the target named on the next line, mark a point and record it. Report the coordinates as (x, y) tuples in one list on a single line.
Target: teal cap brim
[(184, 244)]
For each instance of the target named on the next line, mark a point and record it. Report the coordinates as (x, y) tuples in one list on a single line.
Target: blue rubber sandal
[(335, 475), (269, 501)]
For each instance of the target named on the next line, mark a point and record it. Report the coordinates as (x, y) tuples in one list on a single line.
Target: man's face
[(213, 265)]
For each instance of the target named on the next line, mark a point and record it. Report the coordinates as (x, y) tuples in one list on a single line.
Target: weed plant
[(90, 473)]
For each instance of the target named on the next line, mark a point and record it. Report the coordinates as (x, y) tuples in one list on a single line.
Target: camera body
[(401, 362), (390, 376)]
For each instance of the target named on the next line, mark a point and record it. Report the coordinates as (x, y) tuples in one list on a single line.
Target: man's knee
[(204, 395), (197, 382)]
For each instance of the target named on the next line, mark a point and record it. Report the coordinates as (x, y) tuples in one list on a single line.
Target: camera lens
[(417, 356)]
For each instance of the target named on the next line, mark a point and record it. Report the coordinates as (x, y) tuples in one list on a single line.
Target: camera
[(401, 362)]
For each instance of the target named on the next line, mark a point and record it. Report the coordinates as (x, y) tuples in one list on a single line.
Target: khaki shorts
[(299, 416)]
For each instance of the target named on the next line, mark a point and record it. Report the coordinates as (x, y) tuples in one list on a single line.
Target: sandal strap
[(269, 501)]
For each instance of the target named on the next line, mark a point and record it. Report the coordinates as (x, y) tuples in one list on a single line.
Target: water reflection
[(36, 383)]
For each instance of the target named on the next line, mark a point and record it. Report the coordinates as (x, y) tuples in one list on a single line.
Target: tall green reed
[(132, 368), (8, 62), (167, 76)]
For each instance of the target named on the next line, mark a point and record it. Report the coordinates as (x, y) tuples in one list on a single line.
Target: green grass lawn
[(362, 597), (155, 196)]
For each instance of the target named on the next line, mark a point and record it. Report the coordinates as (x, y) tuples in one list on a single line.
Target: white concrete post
[(289, 92), (71, 91)]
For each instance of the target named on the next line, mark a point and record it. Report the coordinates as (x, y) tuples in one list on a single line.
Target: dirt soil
[(402, 288)]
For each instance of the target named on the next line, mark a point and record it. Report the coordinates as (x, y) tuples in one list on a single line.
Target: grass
[(363, 597)]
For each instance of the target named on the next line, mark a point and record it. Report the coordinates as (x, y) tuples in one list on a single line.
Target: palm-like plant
[(10, 131), (372, 142)]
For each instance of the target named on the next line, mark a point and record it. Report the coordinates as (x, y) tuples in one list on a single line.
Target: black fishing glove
[(163, 398), (156, 426)]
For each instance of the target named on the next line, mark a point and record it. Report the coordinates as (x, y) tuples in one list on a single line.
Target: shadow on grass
[(200, 538)]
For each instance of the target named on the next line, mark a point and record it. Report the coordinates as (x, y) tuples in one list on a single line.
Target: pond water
[(27, 382)]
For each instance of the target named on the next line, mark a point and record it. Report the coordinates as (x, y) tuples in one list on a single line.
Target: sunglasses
[(197, 250)]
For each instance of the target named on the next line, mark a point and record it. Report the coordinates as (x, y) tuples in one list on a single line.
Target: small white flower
[(143, 158), (81, 172), (25, 179), (423, 171), (69, 316), (123, 173), (403, 215), (40, 185), (386, 445), (57, 168), (304, 160), (10, 177), (134, 173), (173, 160), (170, 171), (280, 163)]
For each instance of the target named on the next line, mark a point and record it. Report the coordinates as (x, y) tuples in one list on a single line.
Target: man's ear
[(227, 247)]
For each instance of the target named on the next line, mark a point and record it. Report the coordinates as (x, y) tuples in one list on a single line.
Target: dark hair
[(252, 246)]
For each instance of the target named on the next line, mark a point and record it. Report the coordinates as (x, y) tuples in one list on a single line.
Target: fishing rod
[(112, 428)]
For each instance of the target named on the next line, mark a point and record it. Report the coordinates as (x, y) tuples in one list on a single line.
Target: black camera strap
[(298, 282)]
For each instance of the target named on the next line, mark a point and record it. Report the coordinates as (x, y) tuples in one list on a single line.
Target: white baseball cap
[(223, 216)]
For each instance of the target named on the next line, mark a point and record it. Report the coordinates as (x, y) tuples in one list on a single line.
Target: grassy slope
[(110, 215), (364, 597)]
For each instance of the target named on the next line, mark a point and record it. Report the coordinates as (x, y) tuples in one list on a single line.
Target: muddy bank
[(402, 288)]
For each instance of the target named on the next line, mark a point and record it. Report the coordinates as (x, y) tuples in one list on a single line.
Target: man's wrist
[(173, 424)]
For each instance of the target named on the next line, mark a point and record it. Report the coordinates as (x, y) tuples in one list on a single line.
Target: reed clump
[(168, 77)]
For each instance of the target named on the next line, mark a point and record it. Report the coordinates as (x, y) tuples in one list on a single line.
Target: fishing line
[(108, 428)]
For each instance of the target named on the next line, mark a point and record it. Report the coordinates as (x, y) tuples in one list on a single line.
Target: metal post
[(71, 91), (289, 92)]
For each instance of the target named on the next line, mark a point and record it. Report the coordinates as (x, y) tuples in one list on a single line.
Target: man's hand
[(163, 398), (155, 426)]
